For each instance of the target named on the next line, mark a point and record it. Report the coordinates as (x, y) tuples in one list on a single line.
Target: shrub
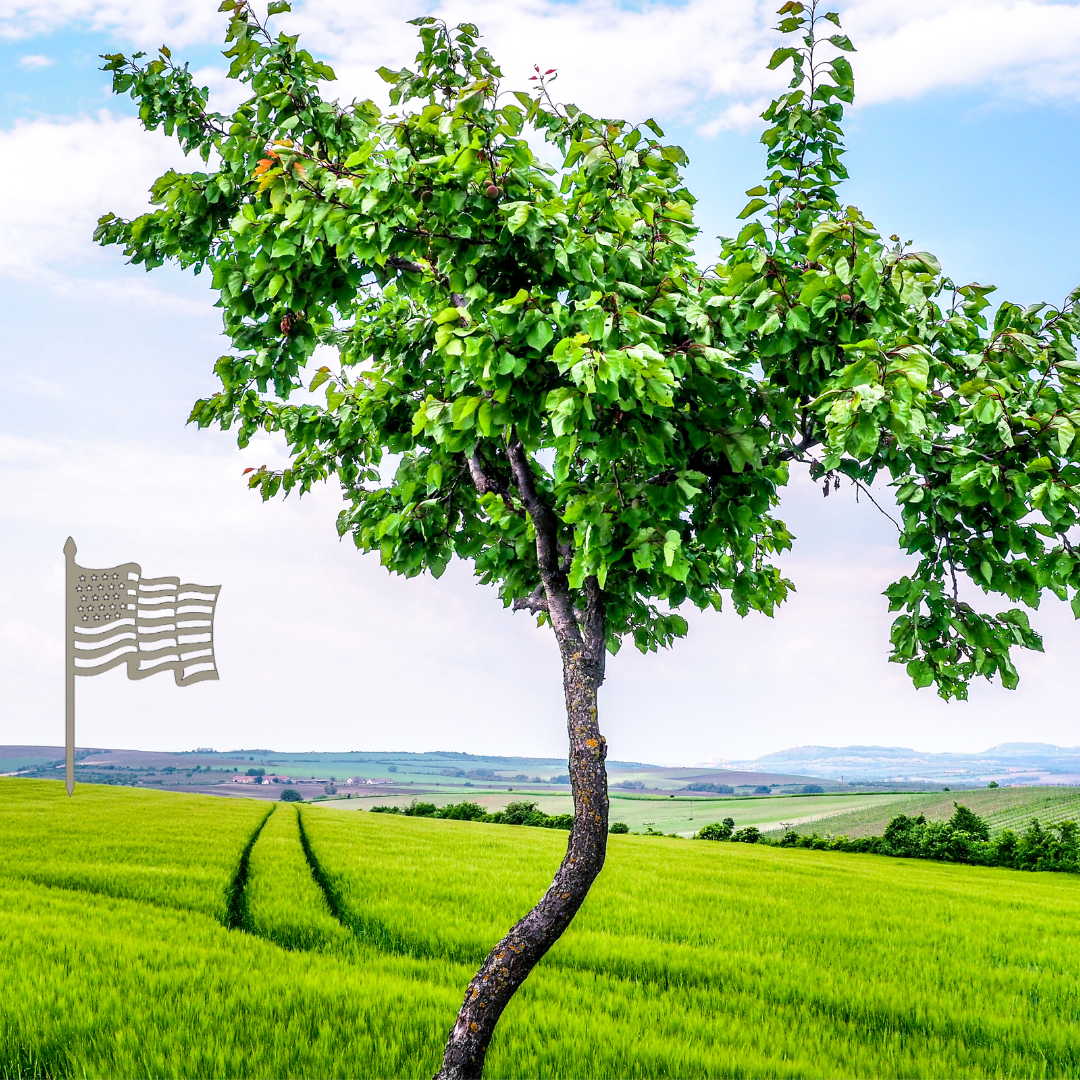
[(464, 811), (964, 820), (715, 831), (520, 813), (993, 783), (423, 809), (749, 835), (385, 809), (708, 785), (290, 794), (813, 789), (619, 827)]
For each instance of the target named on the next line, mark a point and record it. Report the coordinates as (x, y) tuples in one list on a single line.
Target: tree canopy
[(477, 294)]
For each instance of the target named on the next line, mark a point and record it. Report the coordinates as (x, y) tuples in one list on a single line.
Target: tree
[(600, 426)]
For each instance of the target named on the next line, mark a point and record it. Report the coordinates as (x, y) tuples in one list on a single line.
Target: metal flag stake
[(116, 616)]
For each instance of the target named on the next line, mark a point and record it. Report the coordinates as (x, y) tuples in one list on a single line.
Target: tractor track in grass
[(236, 913)]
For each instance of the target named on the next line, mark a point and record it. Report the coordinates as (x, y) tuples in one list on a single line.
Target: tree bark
[(581, 637)]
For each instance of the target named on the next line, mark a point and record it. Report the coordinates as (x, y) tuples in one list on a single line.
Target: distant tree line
[(516, 813), (964, 838)]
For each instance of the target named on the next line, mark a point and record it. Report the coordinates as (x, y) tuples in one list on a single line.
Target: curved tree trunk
[(581, 637)]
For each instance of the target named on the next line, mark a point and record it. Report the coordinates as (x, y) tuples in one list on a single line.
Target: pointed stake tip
[(69, 547)]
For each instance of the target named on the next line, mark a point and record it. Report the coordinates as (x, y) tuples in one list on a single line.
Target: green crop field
[(146, 933), (1002, 808)]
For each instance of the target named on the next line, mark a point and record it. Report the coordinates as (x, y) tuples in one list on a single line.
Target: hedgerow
[(964, 838)]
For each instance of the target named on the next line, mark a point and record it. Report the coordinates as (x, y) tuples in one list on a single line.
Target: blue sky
[(963, 139)]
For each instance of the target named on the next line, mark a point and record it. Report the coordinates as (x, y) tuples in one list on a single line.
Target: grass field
[(1002, 808), (688, 958)]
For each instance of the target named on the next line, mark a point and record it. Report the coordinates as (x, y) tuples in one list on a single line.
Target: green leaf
[(518, 218), (842, 41), (320, 377), (752, 207), (540, 335), (779, 56), (278, 6), (922, 674), (914, 367)]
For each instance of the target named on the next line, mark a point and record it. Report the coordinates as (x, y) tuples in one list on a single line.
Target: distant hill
[(1014, 762)]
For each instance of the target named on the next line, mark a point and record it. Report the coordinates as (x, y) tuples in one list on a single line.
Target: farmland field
[(682, 814), (144, 933), (1001, 808)]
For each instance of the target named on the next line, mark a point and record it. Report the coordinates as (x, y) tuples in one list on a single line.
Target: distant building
[(380, 780), (204, 750)]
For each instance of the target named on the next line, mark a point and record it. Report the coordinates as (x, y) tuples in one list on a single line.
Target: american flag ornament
[(116, 617)]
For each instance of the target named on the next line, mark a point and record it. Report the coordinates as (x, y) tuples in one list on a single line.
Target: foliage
[(477, 296), (964, 838), (679, 977), (290, 794), (709, 785), (619, 827), (516, 813), (714, 831)]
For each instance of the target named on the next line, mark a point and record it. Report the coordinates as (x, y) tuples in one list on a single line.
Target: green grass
[(1002, 808), (688, 958), (281, 900), (179, 851)]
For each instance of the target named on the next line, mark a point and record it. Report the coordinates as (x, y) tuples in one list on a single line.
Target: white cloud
[(60, 176), (185, 22), (701, 61), (36, 61), (1013, 46)]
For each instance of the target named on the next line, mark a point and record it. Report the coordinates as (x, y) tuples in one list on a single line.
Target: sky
[(963, 138)]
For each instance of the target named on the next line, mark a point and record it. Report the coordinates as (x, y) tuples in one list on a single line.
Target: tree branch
[(483, 483), (546, 526), (534, 602)]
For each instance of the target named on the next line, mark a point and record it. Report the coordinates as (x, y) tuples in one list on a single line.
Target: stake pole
[(69, 667)]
